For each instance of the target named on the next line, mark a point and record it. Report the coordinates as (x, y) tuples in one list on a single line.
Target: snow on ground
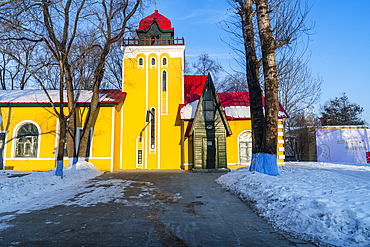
[(326, 203), (41, 190)]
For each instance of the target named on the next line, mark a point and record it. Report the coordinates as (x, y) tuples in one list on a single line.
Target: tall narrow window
[(164, 81), (164, 103), (153, 61), (152, 129), (164, 61), (27, 141)]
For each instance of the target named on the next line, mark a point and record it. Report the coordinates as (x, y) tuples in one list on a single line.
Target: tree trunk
[(71, 135), (270, 75), (61, 142), (246, 13), (98, 77)]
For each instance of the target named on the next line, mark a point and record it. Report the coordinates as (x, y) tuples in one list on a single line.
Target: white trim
[(239, 164), (15, 131), (281, 157), (280, 134), (121, 139), (78, 136), (280, 126), (100, 158), (171, 50), (5, 144), (112, 138), (238, 147), (142, 152), (281, 149), (281, 163), (123, 68), (188, 164), (161, 92), (281, 141), (182, 79), (30, 159)]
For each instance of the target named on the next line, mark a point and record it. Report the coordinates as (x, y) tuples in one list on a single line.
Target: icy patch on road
[(324, 203)]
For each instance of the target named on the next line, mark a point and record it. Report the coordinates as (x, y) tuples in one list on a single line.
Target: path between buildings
[(159, 208)]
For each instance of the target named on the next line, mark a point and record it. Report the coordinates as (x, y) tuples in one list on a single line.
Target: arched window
[(153, 61), (164, 61), (164, 81), (245, 147), (27, 140), (152, 129), (141, 61)]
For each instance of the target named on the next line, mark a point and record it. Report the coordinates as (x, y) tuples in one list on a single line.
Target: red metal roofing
[(194, 84), (163, 22)]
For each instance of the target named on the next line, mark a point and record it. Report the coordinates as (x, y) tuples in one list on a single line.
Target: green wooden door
[(209, 153)]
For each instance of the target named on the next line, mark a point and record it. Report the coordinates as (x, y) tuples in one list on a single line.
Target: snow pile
[(18, 189), (325, 203)]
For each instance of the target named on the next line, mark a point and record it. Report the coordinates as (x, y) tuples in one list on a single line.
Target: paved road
[(161, 208)]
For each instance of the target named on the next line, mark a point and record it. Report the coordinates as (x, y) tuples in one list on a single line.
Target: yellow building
[(146, 125)]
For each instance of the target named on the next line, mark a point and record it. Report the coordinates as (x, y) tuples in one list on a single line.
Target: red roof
[(163, 22), (193, 87)]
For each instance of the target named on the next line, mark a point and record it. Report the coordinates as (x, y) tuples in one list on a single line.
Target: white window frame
[(153, 150), (15, 131), (164, 65), (155, 62), (78, 136), (238, 141), (138, 63)]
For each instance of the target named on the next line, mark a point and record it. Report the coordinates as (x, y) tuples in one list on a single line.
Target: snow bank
[(18, 189), (326, 203)]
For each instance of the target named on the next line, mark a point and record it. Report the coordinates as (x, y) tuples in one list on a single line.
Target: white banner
[(343, 145)]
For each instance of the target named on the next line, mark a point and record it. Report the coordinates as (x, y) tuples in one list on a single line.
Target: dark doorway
[(209, 153)]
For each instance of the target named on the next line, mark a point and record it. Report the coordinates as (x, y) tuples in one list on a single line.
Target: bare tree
[(289, 23), (58, 25)]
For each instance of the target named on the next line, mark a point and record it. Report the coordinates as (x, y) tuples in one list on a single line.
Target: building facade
[(161, 119)]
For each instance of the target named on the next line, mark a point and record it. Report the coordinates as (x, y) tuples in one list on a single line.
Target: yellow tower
[(153, 79)]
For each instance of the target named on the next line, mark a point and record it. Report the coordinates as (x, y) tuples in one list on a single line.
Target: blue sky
[(339, 46)]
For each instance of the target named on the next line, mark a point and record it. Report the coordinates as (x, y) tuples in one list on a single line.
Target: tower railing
[(155, 41)]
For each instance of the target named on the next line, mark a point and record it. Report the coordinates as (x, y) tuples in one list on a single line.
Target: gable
[(209, 113)]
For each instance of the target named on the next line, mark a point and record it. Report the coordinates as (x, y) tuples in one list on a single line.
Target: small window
[(27, 141), (164, 61), (153, 61), (141, 61), (164, 81)]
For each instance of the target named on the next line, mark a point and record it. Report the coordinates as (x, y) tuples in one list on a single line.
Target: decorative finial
[(155, 4)]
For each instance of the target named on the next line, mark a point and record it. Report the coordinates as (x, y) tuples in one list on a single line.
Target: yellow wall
[(47, 121), (237, 127), (143, 86)]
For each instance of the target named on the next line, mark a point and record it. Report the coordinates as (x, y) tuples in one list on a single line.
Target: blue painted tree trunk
[(59, 170), (264, 163)]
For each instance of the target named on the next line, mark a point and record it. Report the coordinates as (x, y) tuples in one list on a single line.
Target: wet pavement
[(159, 208)]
